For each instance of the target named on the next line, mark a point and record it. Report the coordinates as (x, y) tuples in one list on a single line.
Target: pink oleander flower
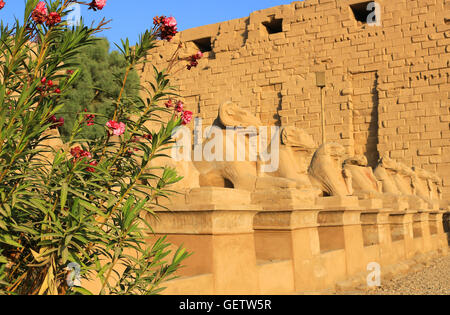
[(79, 154), (87, 155), (117, 128), (90, 118), (53, 19), (41, 8), (186, 117), (57, 123), (97, 5), (76, 152), (180, 106), (40, 13), (170, 22), (193, 60), (167, 27), (2, 4), (198, 55), (149, 137), (169, 104), (90, 169)]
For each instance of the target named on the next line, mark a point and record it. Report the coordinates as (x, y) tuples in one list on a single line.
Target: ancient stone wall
[(386, 88)]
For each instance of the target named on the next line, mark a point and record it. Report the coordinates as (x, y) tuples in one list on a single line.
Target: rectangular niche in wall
[(203, 44), (274, 25), (365, 115), (361, 12)]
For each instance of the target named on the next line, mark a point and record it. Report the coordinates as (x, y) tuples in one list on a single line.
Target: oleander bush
[(80, 212)]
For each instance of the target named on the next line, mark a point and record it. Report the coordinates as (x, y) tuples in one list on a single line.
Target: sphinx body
[(383, 172), (428, 187), (405, 183), (327, 173), (295, 156), (364, 183)]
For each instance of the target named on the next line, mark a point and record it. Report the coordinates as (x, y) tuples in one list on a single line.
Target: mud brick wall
[(386, 87)]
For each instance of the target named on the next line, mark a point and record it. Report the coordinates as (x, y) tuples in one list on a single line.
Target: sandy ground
[(433, 280)]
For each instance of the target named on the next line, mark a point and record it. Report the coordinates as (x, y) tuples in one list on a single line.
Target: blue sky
[(132, 17)]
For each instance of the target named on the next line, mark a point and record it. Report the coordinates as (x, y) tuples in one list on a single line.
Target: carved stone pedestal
[(376, 232), (396, 203), (340, 229), (439, 238), (402, 232), (421, 230), (291, 235), (217, 228)]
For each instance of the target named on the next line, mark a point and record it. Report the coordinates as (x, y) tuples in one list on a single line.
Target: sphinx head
[(298, 138), (359, 160), (333, 152), (232, 115), (389, 164), (405, 170)]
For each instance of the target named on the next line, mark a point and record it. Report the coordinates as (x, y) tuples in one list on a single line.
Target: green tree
[(97, 87)]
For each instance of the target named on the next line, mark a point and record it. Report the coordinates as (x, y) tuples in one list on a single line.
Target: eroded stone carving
[(232, 173), (327, 173), (403, 176), (383, 173), (296, 153), (231, 115), (304, 173), (428, 187), (364, 182), (417, 186)]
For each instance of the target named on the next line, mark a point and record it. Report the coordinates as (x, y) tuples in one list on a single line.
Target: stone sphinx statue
[(366, 185), (428, 187), (435, 187), (231, 115), (326, 171), (424, 184), (403, 182), (296, 153), (403, 177), (231, 172), (384, 172), (364, 182)]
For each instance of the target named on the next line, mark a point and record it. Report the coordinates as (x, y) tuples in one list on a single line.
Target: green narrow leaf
[(3, 260), (64, 190), (82, 291)]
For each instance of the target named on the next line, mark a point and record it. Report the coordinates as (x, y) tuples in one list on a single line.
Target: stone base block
[(417, 203), (396, 203), (371, 204), (220, 196), (339, 202), (284, 199), (198, 285), (276, 277)]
